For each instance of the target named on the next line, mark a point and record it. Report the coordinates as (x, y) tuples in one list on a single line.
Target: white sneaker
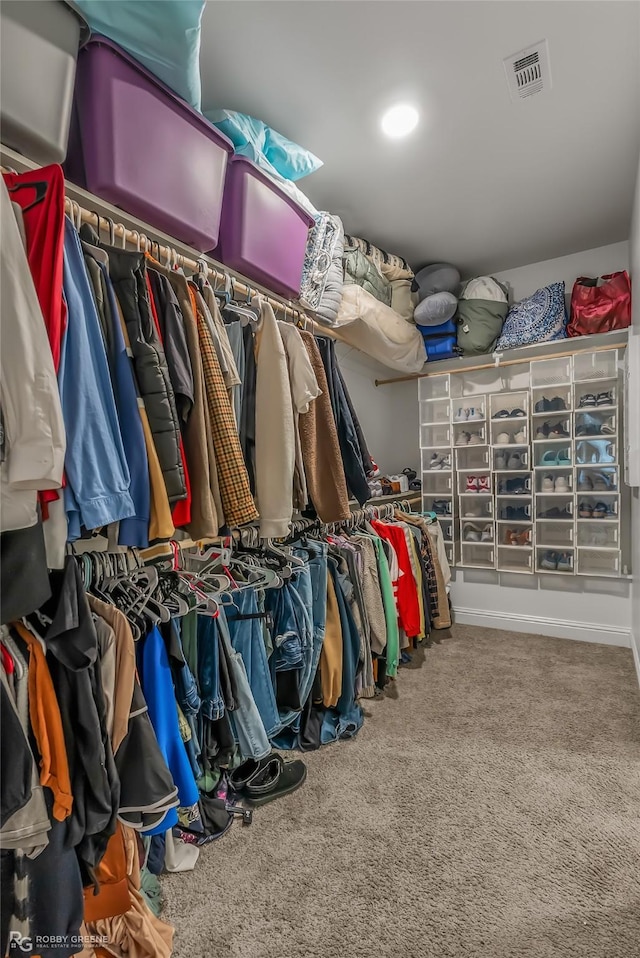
[(463, 438), (503, 439), (474, 413), (547, 484), (461, 415), (561, 484), (520, 438), (471, 534), (475, 439)]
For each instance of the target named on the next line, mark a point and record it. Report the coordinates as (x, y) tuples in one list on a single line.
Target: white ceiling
[(484, 183)]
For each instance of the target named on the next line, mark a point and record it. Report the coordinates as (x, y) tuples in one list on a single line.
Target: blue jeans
[(247, 726), (189, 701), (212, 706), (346, 718), (312, 589), (318, 594), (293, 634), (246, 639)]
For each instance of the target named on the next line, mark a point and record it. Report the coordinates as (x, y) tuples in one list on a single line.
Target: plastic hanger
[(288, 556)]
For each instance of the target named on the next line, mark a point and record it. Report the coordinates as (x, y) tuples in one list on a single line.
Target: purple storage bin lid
[(197, 118), (260, 175)]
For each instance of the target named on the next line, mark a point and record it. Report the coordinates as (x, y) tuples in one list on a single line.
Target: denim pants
[(246, 724), (190, 702), (292, 635), (346, 718), (246, 639), (312, 589), (212, 706)]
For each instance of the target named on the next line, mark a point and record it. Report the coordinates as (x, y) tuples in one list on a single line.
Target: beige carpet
[(490, 809)]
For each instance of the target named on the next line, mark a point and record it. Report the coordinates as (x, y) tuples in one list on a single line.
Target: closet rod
[(161, 549), (140, 240), (499, 365), (97, 211)]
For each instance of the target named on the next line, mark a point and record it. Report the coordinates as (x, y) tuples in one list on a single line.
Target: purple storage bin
[(263, 232), (139, 146)]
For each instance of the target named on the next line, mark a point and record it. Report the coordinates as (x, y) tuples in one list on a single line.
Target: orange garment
[(331, 654), (136, 933), (113, 894), (161, 521), (46, 723)]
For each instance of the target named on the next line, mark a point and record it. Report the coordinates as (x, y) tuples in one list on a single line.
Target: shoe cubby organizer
[(523, 466)]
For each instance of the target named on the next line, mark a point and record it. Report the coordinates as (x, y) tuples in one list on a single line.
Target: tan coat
[(321, 449)]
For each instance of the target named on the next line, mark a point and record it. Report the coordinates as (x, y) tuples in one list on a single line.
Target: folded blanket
[(375, 329), (361, 271)]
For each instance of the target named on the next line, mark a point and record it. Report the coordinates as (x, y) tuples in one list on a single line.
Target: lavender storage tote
[(263, 232), (38, 48), (139, 146)]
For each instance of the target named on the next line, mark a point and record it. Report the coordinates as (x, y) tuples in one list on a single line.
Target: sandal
[(585, 510), (600, 510)]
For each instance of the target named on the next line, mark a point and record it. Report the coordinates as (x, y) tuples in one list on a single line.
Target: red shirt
[(405, 587)]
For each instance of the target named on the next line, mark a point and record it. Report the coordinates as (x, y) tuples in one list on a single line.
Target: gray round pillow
[(437, 278), (435, 309)]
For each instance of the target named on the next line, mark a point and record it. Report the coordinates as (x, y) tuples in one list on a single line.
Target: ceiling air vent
[(528, 71)]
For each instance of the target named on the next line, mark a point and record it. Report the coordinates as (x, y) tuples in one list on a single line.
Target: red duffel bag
[(599, 308)]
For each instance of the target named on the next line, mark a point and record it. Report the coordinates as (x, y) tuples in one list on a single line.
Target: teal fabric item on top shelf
[(162, 35), (258, 142)]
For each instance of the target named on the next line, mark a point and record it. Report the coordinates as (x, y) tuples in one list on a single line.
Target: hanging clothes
[(97, 492), (304, 389), (40, 194), (133, 531), (207, 516), (321, 448), (128, 275), (275, 443), (349, 446), (237, 503), (33, 438)]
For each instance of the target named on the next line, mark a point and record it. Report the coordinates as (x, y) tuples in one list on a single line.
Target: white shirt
[(34, 429)]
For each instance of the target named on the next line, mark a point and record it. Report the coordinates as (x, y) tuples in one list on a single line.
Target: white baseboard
[(635, 646), (556, 628)]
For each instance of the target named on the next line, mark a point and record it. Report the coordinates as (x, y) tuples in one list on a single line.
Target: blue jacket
[(98, 480)]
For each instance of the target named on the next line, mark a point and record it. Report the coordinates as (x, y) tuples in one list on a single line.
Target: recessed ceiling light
[(400, 120)]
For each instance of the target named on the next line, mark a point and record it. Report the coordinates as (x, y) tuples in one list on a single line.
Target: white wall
[(388, 414), (590, 262), (590, 609), (633, 437)]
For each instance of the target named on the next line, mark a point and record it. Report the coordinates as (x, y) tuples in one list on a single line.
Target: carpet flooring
[(489, 808)]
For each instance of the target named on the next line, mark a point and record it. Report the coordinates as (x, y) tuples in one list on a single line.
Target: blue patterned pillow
[(539, 318)]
